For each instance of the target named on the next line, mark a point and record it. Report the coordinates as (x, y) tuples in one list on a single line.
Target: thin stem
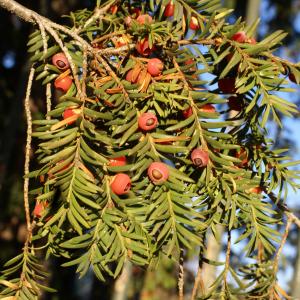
[(198, 283), (84, 71), (48, 99), (28, 149), (181, 276), (290, 215), (227, 263), (272, 289), (283, 240)]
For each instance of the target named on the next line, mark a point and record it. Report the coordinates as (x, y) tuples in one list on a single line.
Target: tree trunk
[(213, 249), (121, 284)]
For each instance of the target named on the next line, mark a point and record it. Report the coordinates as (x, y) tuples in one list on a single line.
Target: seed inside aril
[(198, 162), (156, 174), (61, 64), (150, 122)]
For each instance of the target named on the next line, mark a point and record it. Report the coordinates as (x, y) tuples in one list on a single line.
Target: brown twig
[(272, 289), (283, 240), (198, 283), (48, 99), (227, 263), (284, 208), (181, 276), (28, 149)]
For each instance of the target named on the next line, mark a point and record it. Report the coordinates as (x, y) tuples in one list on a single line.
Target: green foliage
[(27, 285), (88, 224)]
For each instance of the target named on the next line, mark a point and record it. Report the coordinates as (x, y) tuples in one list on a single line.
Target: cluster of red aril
[(63, 82), (158, 172), (169, 12), (227, 84)]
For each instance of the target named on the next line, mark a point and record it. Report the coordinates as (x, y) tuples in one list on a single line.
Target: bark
[(121, 284), (19, 10), (213, 249)]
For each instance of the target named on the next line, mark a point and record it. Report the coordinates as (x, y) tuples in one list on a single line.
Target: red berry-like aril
[(199, 157), (63, 84), (155, 66), (239, 37), (121, 184), (208, 108), (147, 121), (256, 190), (60, 61), (70, 113), (117, 161), (194, 23), (227, 85), (187, 112), (39, 209), (143, 47), (169, 10), (113, 9), (158, 172), (144, 19), (190, 61)]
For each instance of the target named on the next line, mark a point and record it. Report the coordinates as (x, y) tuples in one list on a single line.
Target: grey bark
[(121, 284)]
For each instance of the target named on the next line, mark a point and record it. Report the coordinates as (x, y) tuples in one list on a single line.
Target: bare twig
[(272, 289), (181, 276), (198, 283), (227, 263), (28, 149), (48, 99), (84, 71), (283, 240), (284, 209)]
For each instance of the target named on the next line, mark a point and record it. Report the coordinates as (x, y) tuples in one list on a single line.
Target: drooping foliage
[(94, 199)]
